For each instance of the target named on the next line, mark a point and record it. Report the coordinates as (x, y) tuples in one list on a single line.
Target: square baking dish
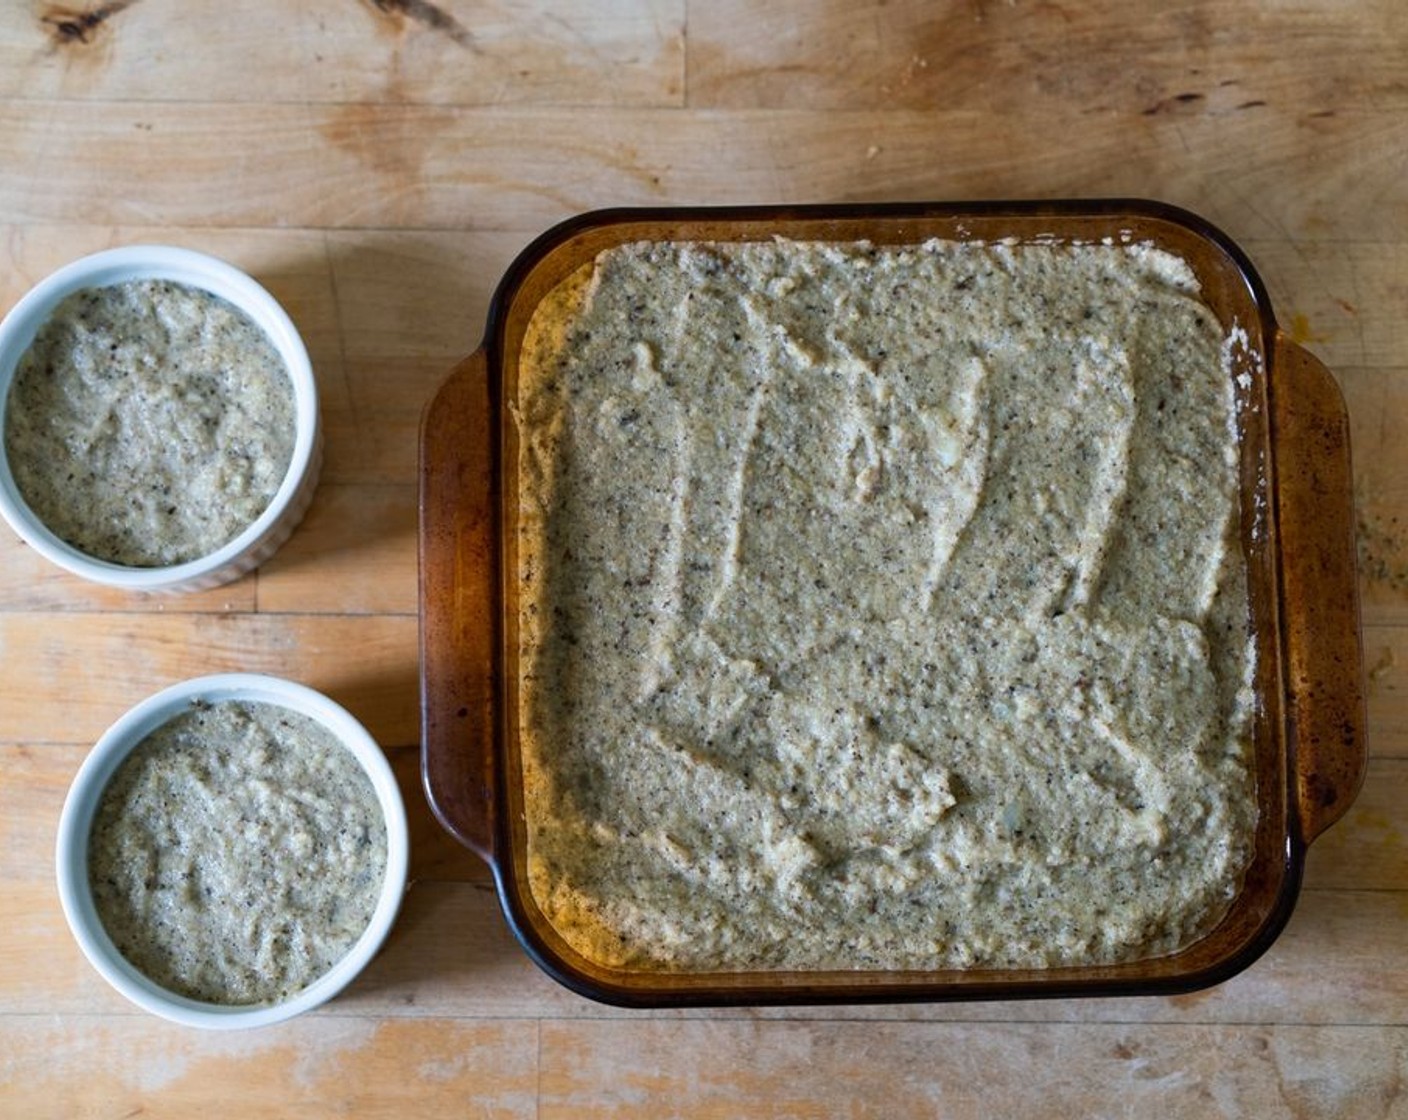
[(1297, 536)]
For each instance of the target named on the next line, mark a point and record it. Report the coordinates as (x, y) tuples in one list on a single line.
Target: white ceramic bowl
[(260, 539), (86, 792)]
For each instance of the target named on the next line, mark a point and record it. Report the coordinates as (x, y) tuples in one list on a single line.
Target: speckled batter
[(881, 607), (238, 853), (149, 422)]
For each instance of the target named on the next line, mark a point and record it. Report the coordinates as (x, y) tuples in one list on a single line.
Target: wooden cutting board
[(377, 163)]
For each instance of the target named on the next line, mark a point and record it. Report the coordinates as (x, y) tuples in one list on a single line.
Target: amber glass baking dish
[(1297, 533)]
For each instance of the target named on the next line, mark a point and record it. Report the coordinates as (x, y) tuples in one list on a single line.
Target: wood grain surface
[(377, 163)]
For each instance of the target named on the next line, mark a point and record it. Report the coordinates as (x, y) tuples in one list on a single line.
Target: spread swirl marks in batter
[(882, 607)]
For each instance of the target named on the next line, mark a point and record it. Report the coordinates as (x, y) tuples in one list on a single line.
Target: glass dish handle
[(1324, 656), (458, 560)]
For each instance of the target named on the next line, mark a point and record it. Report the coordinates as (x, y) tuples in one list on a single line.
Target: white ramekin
[(97, 769), (260, 539)]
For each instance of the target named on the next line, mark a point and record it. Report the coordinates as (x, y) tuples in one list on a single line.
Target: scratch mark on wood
[(1382, 667), (67, 25), (1172, 102), (428, 15)]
